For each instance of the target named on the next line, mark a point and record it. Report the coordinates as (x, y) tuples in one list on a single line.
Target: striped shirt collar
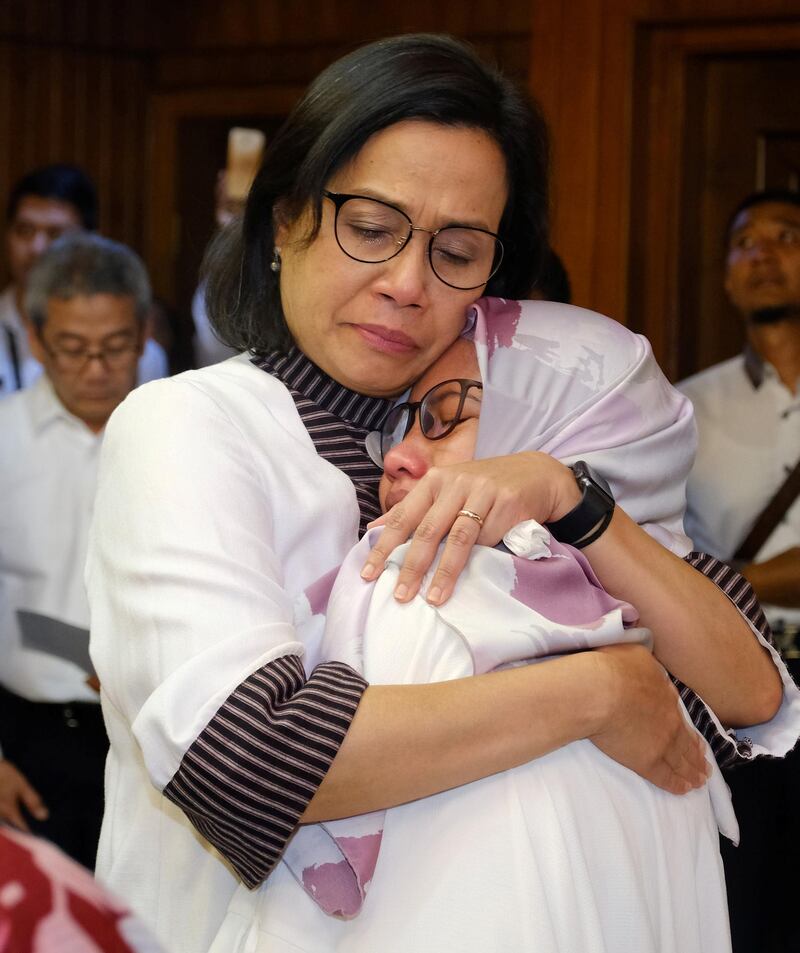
[(299, 373)]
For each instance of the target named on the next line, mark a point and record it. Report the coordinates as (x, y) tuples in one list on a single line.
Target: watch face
[(587, 477)]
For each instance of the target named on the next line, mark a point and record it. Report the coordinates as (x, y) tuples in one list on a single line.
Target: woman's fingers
[(399, 523), (431, 513), (502, 491), (683, 764), (461, 536), (647, 730), (474, 523)]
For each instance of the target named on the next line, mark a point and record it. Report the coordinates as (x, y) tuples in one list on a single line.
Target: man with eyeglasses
[(42, 206), (87, 298)]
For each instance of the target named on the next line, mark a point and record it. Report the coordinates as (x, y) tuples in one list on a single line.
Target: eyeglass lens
[(443, 407), (370, 231), (75, 360)]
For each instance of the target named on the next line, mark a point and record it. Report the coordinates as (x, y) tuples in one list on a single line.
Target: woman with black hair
[(410, 180)]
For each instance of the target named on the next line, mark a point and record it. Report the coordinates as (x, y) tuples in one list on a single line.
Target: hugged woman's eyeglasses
[(369, 230), (440, 411)]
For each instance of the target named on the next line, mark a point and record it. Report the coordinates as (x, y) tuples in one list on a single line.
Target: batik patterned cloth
[(50, 904)]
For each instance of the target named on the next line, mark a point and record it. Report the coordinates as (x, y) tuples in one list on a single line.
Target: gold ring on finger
[(472, 516)]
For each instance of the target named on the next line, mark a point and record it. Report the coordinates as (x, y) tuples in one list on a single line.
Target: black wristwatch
[(590, 518)]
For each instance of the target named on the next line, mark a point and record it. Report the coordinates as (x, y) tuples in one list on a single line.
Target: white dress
[(571, 853)]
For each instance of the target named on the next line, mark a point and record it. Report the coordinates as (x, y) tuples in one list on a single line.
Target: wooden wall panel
[(275, 23), (60, 104), (243, 41), (592, 67), (107, 24), (298, 66)]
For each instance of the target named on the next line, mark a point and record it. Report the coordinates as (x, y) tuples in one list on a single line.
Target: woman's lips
[(384, 339)]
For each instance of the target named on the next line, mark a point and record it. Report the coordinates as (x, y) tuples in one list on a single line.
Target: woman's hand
[(503, 491), (646, 729)]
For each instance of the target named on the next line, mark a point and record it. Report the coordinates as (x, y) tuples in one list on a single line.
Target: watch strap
[(587, 521)]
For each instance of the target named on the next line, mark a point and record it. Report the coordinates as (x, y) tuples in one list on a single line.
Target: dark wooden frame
[(166, 110), (602, 70)]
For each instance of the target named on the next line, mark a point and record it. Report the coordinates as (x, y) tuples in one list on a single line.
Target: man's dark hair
[(762, 197), (66, 183), (415, 76), (86, 264)]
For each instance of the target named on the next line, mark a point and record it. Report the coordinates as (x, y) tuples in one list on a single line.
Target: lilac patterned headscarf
[(579, 386)]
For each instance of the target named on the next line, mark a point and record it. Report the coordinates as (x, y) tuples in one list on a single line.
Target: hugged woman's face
[(407, 462), (376, 328)]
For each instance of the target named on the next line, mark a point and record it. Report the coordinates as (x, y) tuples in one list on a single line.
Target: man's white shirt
[(748, 425), (48, 475)]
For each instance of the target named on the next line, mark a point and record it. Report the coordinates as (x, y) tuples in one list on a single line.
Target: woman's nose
[(411, 457), (405, 278)]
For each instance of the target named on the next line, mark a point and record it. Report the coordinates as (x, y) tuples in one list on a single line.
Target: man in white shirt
[(748, 408), (748, 420), (87, 298), (42, 206)]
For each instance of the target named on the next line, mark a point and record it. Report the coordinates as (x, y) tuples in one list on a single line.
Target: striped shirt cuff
[(728, 750), (248, 777)]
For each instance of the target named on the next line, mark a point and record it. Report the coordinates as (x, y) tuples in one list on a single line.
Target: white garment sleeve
[(192, 629)]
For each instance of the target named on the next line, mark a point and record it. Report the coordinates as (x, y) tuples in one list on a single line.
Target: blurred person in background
[(748, 419), (208, 349), (44, 205), (87, 298)]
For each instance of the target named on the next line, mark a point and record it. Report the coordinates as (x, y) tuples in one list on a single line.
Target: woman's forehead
[(459, 360)]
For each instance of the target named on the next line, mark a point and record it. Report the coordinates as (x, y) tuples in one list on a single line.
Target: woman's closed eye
[(366, 233), (462, 245), (448, 410)]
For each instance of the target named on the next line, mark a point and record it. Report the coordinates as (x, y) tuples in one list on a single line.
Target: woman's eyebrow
[(369, 193)]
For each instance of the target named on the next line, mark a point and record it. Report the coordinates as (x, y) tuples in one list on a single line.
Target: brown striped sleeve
[(249, 775), (727, 748)]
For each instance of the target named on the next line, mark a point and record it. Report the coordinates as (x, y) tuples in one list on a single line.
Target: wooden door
[(623, 85), (187, 146), (742, 134)]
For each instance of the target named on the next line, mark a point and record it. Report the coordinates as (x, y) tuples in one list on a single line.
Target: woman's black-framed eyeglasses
[(440, 411), (462, 256)]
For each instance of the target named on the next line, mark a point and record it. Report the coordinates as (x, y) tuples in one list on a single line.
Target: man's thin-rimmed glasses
[(440, 411), (368, 230), (75, 360)]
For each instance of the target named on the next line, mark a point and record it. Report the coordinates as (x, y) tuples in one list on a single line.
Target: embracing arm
[(411, 741), (700, 636)]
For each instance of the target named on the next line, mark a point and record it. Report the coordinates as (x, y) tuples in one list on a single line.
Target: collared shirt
[(19, 368), (748, 425), (48, 472)]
